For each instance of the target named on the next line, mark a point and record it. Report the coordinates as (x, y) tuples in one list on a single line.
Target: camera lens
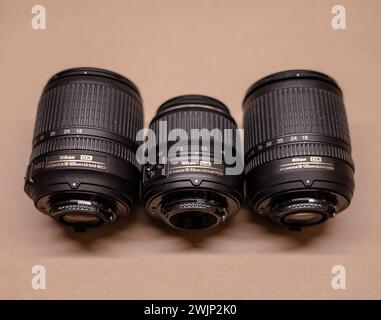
[(298, 164), (188, 185), (83, 170)]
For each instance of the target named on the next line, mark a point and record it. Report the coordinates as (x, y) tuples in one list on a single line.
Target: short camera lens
[(188, 185)]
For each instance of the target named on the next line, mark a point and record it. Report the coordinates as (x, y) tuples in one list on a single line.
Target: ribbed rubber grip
[(194, 112)]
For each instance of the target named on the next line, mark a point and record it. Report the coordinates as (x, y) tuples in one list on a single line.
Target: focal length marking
[(210, 169), (98, 133), (296, 138), (167, 170), (311, 162), (72, 161)]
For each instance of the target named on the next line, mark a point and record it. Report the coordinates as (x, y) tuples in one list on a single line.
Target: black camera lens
[(189, 185), (83, 170), (298, 164)]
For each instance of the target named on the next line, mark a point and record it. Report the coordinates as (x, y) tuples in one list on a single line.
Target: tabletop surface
[(168, 48)]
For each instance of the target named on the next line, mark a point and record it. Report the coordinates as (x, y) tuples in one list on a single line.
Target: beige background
[(169, 48)]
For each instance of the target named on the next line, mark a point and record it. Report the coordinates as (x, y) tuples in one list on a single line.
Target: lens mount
[(81, 214), (81, 210), (297, 212), (193, 213), (189, 209)]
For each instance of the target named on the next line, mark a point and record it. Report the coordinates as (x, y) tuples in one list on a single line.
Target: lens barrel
[(186, 191), (298, 165), (83, 170)]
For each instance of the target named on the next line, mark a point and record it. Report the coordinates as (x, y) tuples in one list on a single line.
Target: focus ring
[(192, 119)]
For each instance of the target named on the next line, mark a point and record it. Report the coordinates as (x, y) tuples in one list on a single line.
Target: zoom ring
[(89, 104), (295, 110)]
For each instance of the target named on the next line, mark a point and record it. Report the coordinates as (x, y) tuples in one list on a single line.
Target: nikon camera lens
[(187, 191), (298, 164), (83, 170)]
